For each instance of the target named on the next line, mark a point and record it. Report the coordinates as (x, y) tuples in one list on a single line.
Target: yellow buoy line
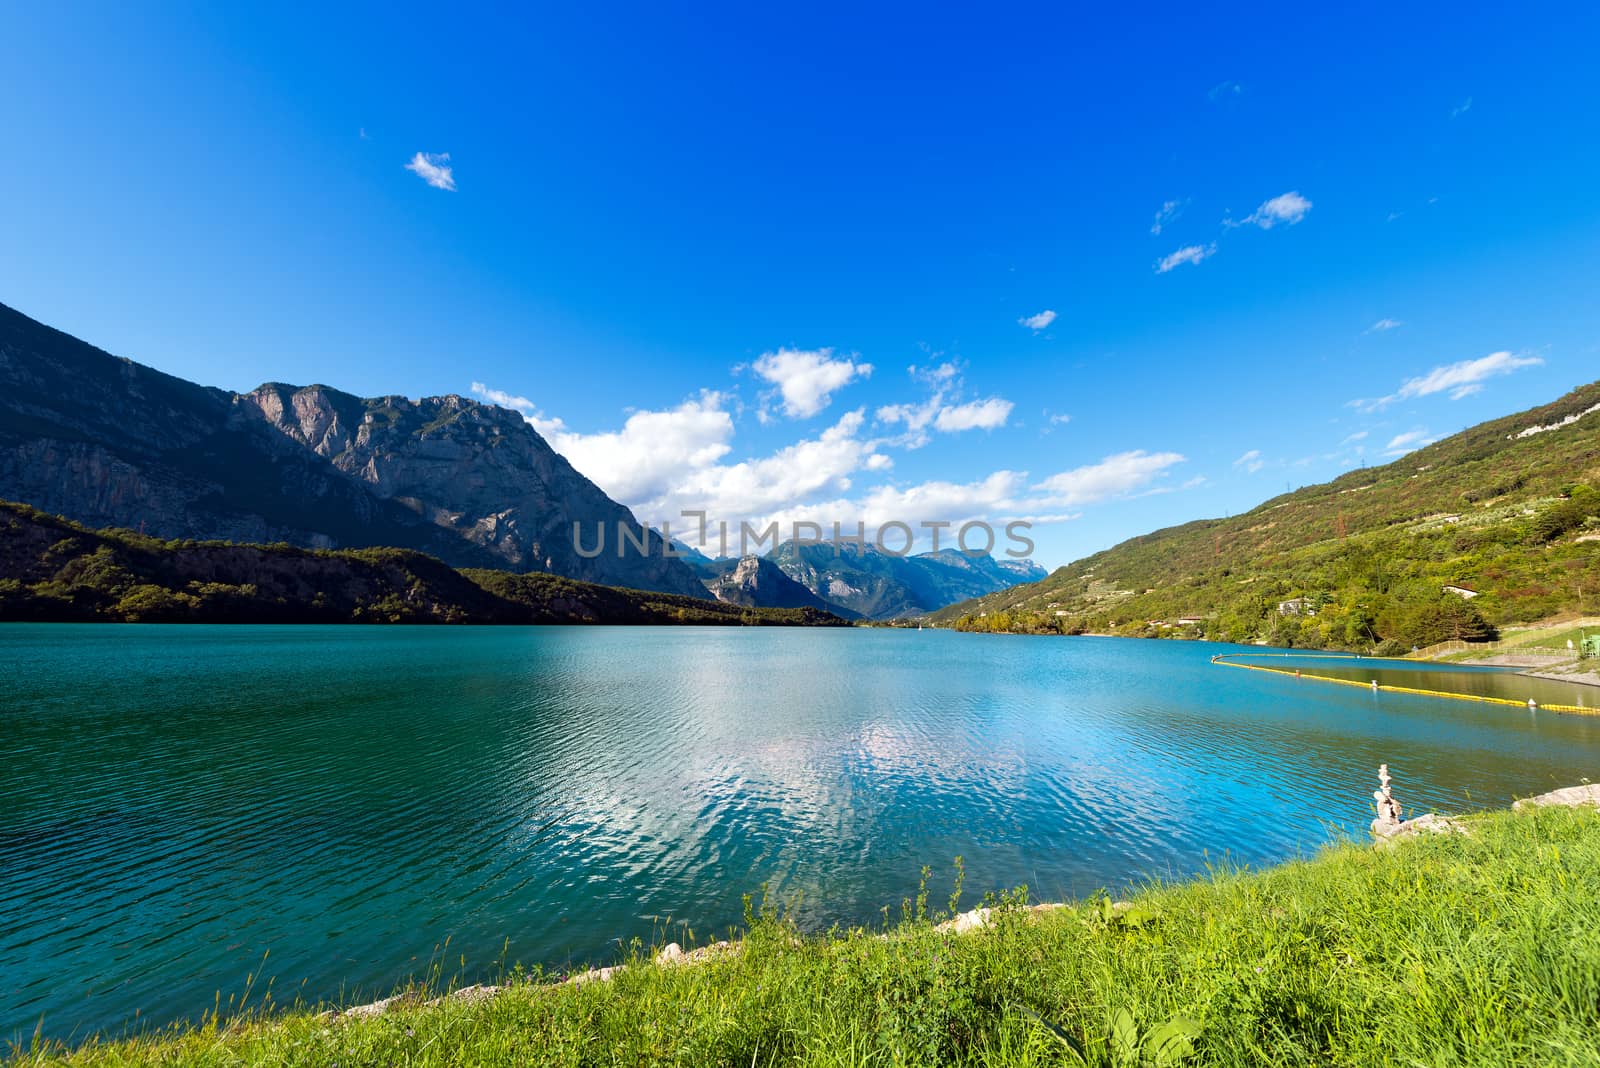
[(1234, 660)]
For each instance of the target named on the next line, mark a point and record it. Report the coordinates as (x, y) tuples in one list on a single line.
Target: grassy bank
[(1445, 950)]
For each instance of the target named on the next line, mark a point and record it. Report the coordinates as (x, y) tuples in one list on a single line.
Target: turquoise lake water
[(1501, 682), (180, 804)]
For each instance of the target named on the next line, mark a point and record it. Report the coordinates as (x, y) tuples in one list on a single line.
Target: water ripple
[(181, 804)]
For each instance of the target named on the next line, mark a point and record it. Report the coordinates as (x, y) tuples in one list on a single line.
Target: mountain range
[(868, 582), (108, 442)]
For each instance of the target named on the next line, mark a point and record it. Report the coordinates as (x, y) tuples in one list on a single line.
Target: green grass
[(1545, 639), (1441, 951), (1555, 640)]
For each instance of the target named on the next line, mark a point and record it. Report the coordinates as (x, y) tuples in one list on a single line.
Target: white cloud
[(1401, 444), (761, 486), (1170, 210), (642, 460), (941, 410), (1115, 476), (999, 497), (1286, 208), (1359, 435), (915, 417), (973, 415), (1038, 322), (506, 400), (1461, 108), (934, 376), (807, 378), (1224, 91), (663, 463), (432, 168), (1251, 461), (1460, 379), (1187, 254), (943, 500), (1384, 325)]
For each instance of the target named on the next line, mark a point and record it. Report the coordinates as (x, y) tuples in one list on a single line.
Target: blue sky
[(681, 243)]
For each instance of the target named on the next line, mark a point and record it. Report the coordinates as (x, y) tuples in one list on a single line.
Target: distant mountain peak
[(757, 582), (884, 585)]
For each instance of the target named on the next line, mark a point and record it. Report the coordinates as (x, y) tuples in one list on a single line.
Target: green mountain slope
[(52, 569), (1507, 510)]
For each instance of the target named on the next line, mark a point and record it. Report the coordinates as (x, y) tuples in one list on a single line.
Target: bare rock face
[(478, 471), (759, 582), (109, 442), (1570, 797)]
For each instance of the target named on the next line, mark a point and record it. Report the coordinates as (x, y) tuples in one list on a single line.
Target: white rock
[(1431, 823), (1570, 796)]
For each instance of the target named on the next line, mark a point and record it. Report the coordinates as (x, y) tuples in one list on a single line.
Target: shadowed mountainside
[(110, 442), (52, 569)]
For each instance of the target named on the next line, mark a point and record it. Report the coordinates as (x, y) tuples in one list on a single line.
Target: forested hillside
[(52, 569), (1506, 512)]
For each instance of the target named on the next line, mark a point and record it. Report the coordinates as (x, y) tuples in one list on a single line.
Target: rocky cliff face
[(109, 442), (756, 582), (477, 471)]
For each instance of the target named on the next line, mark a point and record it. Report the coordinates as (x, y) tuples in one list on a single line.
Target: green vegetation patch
[(54, 570), (1448, 950), (1485, 528)]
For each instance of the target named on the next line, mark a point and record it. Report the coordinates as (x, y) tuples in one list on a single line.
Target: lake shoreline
[(1589, 678), (728, 1001), (592, 782)]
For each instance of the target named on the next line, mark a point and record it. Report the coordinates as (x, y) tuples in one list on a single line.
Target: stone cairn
[(1388, 821)]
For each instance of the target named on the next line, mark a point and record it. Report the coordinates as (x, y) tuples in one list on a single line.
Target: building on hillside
[(1297, 606), (1190, 621), (1466, 593)]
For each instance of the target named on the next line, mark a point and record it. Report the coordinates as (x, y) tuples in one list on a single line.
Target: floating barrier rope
[(1233, 660)]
